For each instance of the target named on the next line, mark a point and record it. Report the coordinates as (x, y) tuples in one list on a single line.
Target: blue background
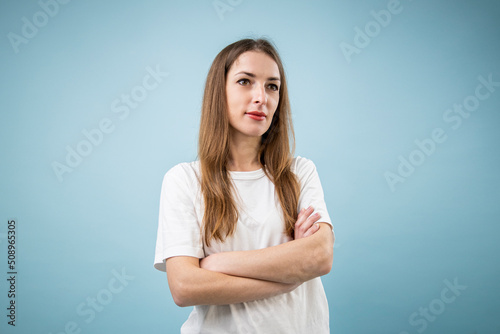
[(354, 117)]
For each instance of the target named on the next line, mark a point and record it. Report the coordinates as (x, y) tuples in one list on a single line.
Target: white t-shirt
[(260, 225)]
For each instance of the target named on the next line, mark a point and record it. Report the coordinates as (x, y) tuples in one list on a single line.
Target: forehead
[(258, 63)]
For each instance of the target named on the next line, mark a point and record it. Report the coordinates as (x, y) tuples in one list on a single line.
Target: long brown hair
[(275, 154)]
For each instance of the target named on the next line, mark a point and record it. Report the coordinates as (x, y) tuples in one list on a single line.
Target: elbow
[(181, 295), (321, 263), (179, 301), (325, 256), (325, 261), (326, 264), (182, 282)]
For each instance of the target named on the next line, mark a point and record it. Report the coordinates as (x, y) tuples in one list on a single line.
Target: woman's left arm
[(308, 256), (295, 261)]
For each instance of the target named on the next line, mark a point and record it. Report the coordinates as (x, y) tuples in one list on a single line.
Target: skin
[(235, 277), (252, 84)]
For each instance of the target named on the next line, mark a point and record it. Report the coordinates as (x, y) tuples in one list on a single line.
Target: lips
[(256, 115)]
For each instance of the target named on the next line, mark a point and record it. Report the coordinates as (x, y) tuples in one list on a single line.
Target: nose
[(259, 94)]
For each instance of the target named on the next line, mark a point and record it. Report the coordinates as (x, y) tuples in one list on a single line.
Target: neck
[(244, 153)]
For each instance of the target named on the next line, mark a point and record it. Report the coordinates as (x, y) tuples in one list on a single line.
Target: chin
[(257, 133), (252, 132)]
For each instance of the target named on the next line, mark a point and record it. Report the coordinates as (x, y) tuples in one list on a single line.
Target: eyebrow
[(253, 76)]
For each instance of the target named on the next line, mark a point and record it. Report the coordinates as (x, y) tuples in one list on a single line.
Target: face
[(252, 92)]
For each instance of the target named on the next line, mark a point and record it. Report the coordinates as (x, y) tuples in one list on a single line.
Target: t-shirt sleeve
[(311, 191), (178, 226)]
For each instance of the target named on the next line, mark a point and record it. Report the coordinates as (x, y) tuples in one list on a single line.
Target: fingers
[(305, 220), (303, 215), (313, 229)]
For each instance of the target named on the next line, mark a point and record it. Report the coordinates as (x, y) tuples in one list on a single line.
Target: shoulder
[(183, 173), (302, 166), (185, 168)]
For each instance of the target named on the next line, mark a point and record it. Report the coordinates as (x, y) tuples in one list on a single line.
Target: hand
[(289, 287), (207, 263), (304, 226)]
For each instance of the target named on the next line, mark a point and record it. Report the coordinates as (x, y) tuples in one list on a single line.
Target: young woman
[(244, 233)]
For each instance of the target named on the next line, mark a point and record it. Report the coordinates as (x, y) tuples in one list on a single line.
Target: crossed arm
[(241, 276)]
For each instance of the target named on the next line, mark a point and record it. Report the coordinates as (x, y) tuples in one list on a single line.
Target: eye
[(243, 82), (273, 87)]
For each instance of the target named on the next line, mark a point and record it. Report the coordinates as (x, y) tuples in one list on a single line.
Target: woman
[(244, 233)]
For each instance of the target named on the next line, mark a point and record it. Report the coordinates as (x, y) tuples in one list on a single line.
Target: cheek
[(235, 98), (273, 113), (274, 103)]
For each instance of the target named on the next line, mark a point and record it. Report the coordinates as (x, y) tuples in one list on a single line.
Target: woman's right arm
[(179, 233), (191, 285)]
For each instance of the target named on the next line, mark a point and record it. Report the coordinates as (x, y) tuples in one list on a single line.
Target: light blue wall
[(359, 105)]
